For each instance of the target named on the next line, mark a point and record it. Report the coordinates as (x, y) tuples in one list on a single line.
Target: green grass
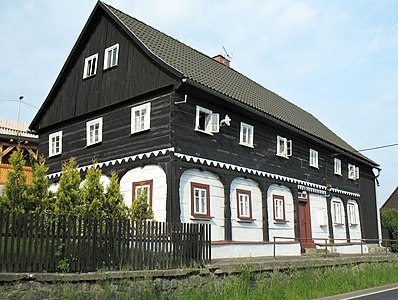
[(309, 283)]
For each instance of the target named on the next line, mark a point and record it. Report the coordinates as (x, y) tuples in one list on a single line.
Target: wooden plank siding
[(134, 75), (117, 140), (5, 168)]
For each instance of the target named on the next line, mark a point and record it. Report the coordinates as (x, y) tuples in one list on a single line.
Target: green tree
[(114, 205), (140, 209), (92, 193), (389, 221), (68, 198), (38, 196), (14, 197)]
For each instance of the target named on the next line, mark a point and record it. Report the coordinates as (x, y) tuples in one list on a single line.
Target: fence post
[(361, 248), (326, 248), (274, 254)]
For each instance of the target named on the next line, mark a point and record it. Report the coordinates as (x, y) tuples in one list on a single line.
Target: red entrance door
[(305, 224)]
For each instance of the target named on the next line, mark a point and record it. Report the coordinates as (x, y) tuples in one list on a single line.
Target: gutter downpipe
[(378, 208)]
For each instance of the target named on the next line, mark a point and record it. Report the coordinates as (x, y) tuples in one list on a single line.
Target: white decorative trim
[(309, 186), (311, 190), (126, 159)]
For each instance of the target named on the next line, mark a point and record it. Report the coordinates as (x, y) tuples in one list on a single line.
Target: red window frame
[(195, 185), (141, 183), (279, 197), (249, 194)]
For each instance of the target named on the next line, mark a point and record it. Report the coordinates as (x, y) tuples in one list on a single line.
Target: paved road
[(387, 292)]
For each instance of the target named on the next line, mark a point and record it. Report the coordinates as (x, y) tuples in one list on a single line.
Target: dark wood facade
[(137, 79)]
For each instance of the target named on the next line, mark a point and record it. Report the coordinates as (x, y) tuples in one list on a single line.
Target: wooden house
[(208, 144), (13, 133)]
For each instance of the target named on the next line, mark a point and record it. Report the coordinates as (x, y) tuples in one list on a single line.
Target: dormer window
[(90, 66), (206, 121), (111, 56), (283, 147)]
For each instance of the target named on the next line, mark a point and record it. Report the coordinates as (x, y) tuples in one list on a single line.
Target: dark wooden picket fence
[(37, 243)]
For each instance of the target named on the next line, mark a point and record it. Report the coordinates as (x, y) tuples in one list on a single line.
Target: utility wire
[(378, 147)]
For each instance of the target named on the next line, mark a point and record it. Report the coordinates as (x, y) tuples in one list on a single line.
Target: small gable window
[(55, 143), (337, 166), (94, 131), (90, 66), (140, 118), (313, 158), (283, 147), (111, 56), (246, 134), (206, 121)]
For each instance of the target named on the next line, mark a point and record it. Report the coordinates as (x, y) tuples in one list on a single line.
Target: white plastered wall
[(150, 172), (216, 200), (242, 230), (278, 229)]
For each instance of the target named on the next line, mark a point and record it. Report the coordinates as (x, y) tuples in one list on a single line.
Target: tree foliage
[(92, 193), (140, 209), (14, 197), (114, 205), (68, 198), (389, 221), (38, 196)]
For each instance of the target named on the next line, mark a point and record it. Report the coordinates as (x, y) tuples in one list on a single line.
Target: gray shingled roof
[(205, 71)]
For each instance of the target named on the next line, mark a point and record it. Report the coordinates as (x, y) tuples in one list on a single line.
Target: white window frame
[(88, 66), (352, 211), (246, 139), (353, 172), (52, 151), (314, 159), (145, 123), (337, 166), (283, 147), (337, 207), (111, 61), (211, 122), (89, 137)]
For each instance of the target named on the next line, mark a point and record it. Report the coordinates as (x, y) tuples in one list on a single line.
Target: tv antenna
[(229, 56)]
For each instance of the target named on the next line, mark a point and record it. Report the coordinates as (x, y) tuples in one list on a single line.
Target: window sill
[(54, 155), (353, 225), (338, 224), (337, 174), (93, 144), (110, 68), (315, 167), (143, 130), (88, 77), (201, 218), (246, 145), (282, 156), (280, 221), (245, 220), (203, 131)]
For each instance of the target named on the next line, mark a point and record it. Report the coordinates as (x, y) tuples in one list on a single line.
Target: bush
[(389, 221)]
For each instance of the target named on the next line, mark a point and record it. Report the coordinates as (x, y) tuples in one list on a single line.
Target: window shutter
[(215, 123), (356, 172), (289, 148)]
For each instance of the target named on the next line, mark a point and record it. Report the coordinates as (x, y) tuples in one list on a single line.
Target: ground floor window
[(200, 200), (244, 204), (144, 188), (279, 208), (337, 212)]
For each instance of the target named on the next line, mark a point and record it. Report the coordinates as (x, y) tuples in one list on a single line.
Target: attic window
[(207, 121), (90, 66), (111, 56)]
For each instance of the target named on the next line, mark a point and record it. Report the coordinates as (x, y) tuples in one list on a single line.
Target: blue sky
[(336, 59)]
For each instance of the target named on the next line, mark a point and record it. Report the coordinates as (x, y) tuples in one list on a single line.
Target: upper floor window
[(206, 121), (94, 131), (200, 200), (337, 212), (244, 203), (140, 118), (55, 143), (279, 208), (143, 189), (111, 56), (246, 134), (90, 66), (313, 158), (283, 147), (353, 172), (337, 166)]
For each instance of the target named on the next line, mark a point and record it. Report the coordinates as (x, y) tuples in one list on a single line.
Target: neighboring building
[(392, 201), (208, 144), (12, 133)]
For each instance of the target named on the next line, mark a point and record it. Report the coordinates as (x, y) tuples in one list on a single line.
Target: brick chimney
[(222, 59)]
